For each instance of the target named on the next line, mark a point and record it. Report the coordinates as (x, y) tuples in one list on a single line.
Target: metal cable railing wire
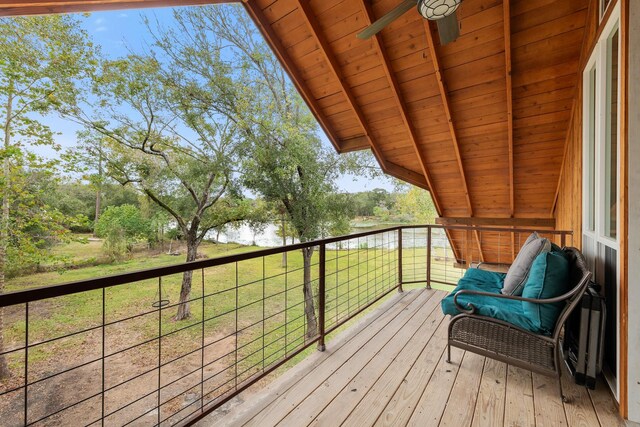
[(248, 319)]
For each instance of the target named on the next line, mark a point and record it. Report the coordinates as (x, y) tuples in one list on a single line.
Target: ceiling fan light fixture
[(437, 9)]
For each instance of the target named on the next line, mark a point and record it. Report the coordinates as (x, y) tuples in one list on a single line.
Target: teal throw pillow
[(548, 278)]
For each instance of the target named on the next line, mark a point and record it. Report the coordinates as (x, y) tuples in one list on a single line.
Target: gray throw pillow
[(519, 270)]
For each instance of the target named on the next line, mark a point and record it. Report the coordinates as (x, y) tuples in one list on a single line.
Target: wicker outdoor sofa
[(508, 343)]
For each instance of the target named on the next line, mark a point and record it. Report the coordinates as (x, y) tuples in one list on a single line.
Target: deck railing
[(108, 350)]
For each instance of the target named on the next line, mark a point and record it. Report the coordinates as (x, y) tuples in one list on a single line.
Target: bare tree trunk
[(309, 309), (4, 225), (97, 216), (284, 241), (98, 191), (184, 307)]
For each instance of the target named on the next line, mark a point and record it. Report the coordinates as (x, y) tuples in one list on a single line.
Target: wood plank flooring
[(390, 370)]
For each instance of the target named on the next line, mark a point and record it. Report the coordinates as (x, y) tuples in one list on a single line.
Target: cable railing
[(108, 350)]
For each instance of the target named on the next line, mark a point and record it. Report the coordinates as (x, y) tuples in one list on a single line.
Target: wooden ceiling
[(480, 122)]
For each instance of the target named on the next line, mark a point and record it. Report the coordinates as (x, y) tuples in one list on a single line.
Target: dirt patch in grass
[(73, 373)]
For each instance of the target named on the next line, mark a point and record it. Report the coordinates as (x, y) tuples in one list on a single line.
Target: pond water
[(270, 238)]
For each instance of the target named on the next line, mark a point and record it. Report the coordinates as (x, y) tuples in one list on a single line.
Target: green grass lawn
[(266, 307)]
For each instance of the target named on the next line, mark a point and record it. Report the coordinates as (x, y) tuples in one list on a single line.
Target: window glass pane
[(611, 147), (591, 150)]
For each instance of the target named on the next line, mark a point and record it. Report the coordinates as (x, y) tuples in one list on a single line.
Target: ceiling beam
[(500, 222), (336, 70), (406, 175), (428, 30), (506, 8), (399, 99), (356, 143), (294, 72), (506, 14), (447, 109)]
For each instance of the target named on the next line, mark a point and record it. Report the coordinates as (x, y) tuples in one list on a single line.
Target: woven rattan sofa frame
[(505, 336)]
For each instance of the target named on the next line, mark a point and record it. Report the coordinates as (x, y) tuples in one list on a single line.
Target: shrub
[(121, 227)]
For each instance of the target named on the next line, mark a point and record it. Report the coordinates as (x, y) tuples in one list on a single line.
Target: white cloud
[(101, 29), (99, 21), (123, 15)]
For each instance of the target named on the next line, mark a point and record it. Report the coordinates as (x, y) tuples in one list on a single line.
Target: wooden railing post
[(322, 296), (469, 254), (400, 259), (428, 257)]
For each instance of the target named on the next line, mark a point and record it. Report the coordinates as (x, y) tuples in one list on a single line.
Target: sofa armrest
[(470, 309)]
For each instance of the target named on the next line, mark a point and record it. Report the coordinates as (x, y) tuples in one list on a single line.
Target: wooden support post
[(469, 254)]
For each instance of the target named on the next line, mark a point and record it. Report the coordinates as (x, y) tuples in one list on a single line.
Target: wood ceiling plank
[(526, 76), (565, 23), (544, 98), (447, 109), (475, 73), (482, 51), (470, 8), (268, 33), (543, 13), (482, 19), (544, 108), (311, 21), (544, 87)]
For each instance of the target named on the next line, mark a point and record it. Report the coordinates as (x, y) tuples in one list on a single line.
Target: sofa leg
[(448, 353), (562, 396)]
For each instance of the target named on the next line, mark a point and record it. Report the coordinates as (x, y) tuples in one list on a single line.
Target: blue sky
[(120, 32)]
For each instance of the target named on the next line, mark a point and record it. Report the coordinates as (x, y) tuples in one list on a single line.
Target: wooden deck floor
[(390, 370)]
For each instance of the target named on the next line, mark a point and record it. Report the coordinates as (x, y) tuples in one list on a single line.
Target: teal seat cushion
[(548, 278), (498, 308)]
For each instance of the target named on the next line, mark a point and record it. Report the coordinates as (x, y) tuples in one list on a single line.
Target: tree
[(418, 204), (259, 218), (40, 58), (286, 163), (88, 157), (122, 226), (74, 197), (175, 150)]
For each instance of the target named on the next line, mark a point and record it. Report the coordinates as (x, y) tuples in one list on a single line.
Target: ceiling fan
[(441, 11)]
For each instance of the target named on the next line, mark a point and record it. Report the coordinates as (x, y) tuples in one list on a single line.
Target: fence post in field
[(400, 259), (428, 257), (322, 296)]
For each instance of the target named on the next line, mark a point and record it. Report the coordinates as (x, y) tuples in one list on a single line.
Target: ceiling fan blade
[(391, 16), (448, 29)]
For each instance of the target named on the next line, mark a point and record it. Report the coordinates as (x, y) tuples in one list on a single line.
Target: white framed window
[(604, 5), (601, 176)]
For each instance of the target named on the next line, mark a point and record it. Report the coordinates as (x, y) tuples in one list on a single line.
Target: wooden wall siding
[(568, 206), (568, 210), (546, 46)]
